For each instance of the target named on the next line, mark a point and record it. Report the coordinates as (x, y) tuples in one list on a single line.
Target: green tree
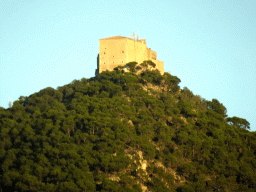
[(131, 66), (217, 107), (238, 122)]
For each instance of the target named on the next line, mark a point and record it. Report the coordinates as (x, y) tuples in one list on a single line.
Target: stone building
[(117, 51)]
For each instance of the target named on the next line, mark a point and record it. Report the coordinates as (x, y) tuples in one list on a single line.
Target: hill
[(124, 132)]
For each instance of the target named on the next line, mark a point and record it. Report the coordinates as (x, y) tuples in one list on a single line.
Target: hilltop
[(124, 131)]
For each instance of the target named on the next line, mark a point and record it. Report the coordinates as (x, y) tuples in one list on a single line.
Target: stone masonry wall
[(117, 50)]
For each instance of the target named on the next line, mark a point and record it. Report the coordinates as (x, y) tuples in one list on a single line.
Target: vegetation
[(124, 132)]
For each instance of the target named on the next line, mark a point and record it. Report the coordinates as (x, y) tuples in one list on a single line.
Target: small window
[(122, 51), (104, 53), (113, 61), (113, 56), (122, 61)]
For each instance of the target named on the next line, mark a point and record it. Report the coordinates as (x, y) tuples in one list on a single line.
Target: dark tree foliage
[(238, 122), (131, 66), (148, 63), (217, 107), (123, 132)]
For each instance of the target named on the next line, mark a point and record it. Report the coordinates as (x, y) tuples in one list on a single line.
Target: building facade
[(117, 51)]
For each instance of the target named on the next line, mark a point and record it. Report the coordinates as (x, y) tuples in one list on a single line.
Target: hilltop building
[(117, 51)]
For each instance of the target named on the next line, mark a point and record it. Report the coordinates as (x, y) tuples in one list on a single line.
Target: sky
[(210, 45)]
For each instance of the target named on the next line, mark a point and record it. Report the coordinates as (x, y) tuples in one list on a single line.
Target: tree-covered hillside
[(124, 132)]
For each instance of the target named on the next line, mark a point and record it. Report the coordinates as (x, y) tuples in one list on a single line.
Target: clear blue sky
[(210, 45)]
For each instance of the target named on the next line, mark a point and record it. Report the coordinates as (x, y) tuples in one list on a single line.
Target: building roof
[(121, 37), (115, 37)]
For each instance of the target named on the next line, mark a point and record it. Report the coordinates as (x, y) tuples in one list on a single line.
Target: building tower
[(117, 51)]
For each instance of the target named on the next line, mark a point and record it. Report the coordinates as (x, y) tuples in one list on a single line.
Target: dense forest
[(126, 132)]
